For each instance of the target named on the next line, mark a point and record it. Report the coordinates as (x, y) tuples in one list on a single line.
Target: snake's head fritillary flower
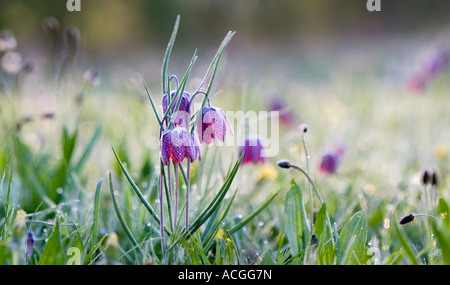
[(183, 112), (212, 125), (177, 144), (253, 151)]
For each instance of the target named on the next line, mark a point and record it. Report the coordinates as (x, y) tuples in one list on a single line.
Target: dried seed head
[(434, 179), (72, 37), (284, 163), (7, 41), (407, 219), (50, 25), (425, 177)]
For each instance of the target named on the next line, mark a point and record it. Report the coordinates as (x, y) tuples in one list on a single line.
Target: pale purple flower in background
[(286, 116), (330, 161), (253, 151)]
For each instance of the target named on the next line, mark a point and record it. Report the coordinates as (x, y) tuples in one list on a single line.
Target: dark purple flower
[(212, 125), (253, 151), (330, 160), (177, 144), (30, 245), (183, 113)]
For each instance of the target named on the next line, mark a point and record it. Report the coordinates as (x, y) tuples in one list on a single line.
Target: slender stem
[(310, 181), (161, 210), (309, 184), (170, 189), (176, 192), (188, 188), (429, 243)]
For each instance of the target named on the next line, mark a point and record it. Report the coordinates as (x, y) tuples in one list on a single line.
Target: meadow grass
[(85, 185)]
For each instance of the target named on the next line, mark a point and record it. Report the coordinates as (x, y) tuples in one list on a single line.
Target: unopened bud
[(284, 163), (434, 179), (303, 128), (407, 219), (425, 177)]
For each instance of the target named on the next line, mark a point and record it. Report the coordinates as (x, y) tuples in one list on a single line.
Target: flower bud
[(407, 219), (284, 163)]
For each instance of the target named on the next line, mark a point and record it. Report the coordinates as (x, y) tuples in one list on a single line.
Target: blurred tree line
[(113, 23)]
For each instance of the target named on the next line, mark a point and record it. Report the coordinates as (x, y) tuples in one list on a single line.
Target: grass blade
[(121, 219), (96, 214)]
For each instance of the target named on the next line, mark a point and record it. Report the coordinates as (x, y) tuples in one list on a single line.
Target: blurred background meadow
[(372, 87)]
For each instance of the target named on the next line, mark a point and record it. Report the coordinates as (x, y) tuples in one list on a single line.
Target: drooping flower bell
[(330, 161), (212, 125), (177, 144), (253, 151), (183, 113)]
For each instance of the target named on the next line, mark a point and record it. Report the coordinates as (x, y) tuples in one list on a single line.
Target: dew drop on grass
[(261, 224), (116, 193), (59, 190)]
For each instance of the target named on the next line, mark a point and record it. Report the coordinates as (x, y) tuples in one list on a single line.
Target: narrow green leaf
[(88, 149), (138, 192), (252, 215), (121, 219), (164, 76), (96, 214)]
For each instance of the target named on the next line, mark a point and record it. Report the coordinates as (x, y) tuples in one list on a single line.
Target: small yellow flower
[(440, 150), (219, 235), (21, 217), (267, 171)]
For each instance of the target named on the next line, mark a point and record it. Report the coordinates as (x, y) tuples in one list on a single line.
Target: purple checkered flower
[(177, 144), (212, 125), (183, 112), (253, 151)]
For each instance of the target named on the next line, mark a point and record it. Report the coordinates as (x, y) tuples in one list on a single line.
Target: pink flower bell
[(212, 125)]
